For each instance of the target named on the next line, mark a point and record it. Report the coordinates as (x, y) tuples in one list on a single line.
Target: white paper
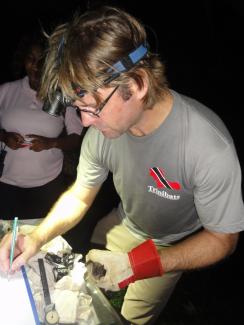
[(15, 304)]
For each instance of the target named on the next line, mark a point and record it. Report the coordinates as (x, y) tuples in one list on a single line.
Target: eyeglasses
[(98, 110)]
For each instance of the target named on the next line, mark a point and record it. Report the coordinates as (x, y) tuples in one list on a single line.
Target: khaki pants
[(144, 299)]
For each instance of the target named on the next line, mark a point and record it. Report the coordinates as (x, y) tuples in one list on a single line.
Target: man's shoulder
[(205, 136), (94, 137), (203, 122), (92, 133)]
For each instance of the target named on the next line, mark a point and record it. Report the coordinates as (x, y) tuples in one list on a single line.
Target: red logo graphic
[(159, 177)]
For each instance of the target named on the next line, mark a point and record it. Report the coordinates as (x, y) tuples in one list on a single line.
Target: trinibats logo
[(163, 183)]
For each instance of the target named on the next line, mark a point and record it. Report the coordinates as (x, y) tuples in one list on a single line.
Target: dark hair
[(26, 41)]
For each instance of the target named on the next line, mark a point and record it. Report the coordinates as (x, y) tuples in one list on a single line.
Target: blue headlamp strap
[(123, 65), (126, 63)]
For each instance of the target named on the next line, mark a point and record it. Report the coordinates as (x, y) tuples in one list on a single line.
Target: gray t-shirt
[(183, 176)]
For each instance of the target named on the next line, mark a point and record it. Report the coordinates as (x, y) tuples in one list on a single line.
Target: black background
[(202, 45), (200, 41)]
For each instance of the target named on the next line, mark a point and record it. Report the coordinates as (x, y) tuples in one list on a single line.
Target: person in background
[(32, 141), (173, 161)]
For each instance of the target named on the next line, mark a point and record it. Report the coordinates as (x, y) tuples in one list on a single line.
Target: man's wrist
[(39, 239), (145, 263)]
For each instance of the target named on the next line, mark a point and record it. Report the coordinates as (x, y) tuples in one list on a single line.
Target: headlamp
[(59, 102), (58, 105)]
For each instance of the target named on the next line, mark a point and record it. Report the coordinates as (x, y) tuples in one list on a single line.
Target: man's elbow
[(227, 243), (233, 241)]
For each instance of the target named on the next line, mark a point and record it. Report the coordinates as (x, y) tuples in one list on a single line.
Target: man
[(173, 161)]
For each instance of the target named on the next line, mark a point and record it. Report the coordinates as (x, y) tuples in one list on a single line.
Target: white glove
[(115, 270), (107, 268)]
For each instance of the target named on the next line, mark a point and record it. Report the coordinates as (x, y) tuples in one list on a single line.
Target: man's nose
[(87, 119)]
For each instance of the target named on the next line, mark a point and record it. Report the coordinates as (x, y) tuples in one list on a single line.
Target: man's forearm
[(200, 250), (65, 214)]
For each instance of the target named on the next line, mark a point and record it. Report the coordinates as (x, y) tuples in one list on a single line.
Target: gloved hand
[(115, 270)]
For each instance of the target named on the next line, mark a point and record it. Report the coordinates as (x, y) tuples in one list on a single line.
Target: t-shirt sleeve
[(91, 171), (72, 121), (217, 193)]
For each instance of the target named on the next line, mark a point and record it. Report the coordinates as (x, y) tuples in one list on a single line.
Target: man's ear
[(140, 88)]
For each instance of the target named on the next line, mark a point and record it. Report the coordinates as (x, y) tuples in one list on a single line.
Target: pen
[(14, 236)]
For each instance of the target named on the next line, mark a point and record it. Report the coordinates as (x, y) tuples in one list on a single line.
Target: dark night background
[(201, 42)]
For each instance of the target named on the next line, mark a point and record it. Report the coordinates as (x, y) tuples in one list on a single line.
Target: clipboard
[(16, 300)]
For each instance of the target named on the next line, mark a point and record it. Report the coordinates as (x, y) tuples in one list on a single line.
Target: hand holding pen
[(16, 249)]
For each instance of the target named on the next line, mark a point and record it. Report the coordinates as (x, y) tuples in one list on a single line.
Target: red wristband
[(145, 263)]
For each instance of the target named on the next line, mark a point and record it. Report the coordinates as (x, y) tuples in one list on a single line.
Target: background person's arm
[(66, 142)]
